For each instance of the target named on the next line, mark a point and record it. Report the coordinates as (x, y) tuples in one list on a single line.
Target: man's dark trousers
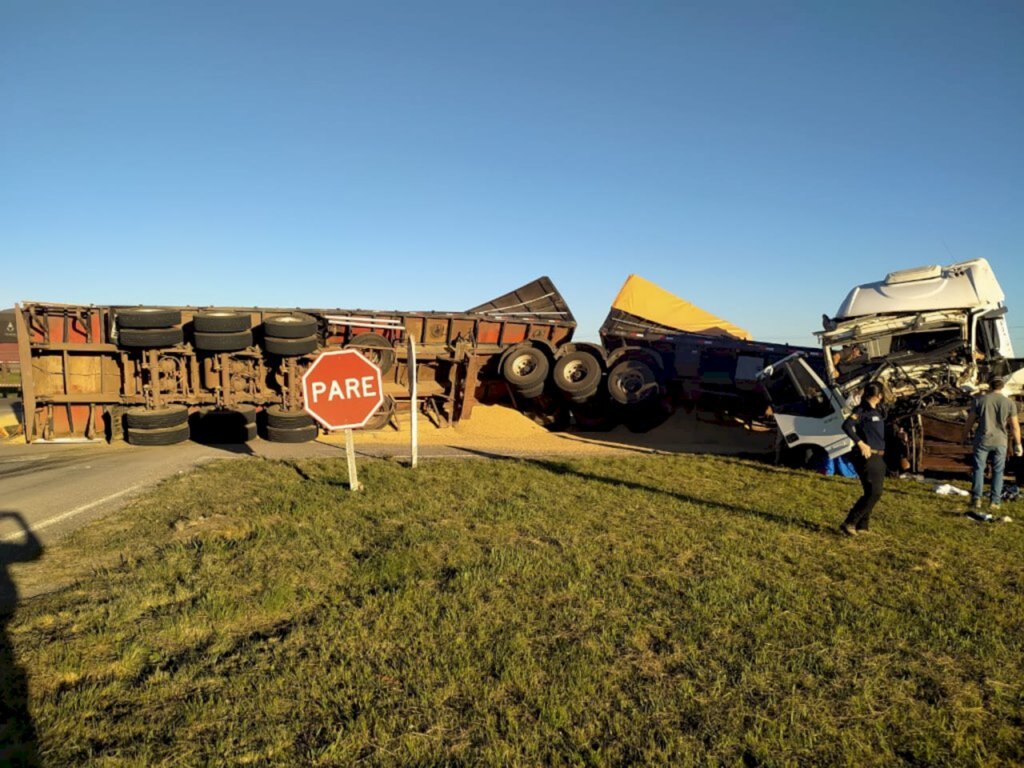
[(872, 476)]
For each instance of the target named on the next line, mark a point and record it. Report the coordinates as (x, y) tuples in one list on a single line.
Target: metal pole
[(414, 447), (350, 455)]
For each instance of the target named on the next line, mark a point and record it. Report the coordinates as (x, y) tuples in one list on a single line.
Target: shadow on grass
[(560, 468), (334, 482), (17, 731), (294, 465)]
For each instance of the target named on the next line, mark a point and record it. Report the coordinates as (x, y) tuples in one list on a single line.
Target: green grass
[(648, 611)]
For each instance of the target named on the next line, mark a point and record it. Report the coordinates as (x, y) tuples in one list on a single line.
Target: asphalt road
[(53, 489)]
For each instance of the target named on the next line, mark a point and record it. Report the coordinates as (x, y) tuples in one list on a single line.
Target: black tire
[(113, 422), (224, 426), (524, 367), (646, 415), (248, 413), (148, 317), (375, 348), (595, 418), (632, 381), (531, 392), (383, 416), (223, 342), (150, 337), (552, 414), (279, 418), (297, 435), (156, 418), (290, 347), (578, 374), (217, 321), (165, 436), (294, 325)]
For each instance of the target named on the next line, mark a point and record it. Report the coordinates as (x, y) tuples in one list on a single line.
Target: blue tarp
[(840, 465)]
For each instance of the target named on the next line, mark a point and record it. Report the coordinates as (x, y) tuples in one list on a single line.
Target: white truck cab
[(931, 336)]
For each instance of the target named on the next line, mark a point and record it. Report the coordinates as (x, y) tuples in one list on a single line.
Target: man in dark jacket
[(866, 427)]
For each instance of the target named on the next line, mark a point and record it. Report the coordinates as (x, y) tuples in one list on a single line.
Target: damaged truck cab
[(931, 336)]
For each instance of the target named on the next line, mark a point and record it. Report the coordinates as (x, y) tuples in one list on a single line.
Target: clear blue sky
[(756, 158)]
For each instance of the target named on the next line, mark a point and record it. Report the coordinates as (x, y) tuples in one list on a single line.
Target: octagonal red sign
[(342, 389)]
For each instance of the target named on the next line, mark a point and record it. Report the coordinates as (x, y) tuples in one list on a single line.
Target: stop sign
[(342, 389)]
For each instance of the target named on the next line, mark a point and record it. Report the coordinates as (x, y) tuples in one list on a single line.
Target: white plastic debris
[(985, 517), (950, 490)]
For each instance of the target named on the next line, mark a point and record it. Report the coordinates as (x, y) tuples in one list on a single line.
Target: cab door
[(806, 411)]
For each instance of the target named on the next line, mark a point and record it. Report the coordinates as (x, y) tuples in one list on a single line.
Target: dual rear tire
[(222, 331), (159, 426), (290, 335), (149, 327), (284, 426), (226, 425), (525, 368), (578, 375)]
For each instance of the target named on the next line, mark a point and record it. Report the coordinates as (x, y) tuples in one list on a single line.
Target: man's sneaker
[(848, 529), (994, 506), (976, 504)]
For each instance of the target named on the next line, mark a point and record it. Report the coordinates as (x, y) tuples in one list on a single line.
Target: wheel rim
[(631, 383), (523, 365), (575, 372)]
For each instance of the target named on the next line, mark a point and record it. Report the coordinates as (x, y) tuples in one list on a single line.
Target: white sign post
[(414, 448), (350, 456)]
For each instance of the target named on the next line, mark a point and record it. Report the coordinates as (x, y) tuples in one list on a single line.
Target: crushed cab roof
[(964, 285)]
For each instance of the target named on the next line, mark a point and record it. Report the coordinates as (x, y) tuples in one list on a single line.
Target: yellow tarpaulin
[(645, 299)]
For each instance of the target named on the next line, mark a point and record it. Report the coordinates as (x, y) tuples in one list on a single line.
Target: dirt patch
[(216, 526)]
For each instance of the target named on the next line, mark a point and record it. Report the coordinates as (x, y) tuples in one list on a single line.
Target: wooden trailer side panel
[(71, 371)]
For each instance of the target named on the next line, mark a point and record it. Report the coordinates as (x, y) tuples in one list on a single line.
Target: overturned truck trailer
[(155, 375), (932, 336), (662, 352)]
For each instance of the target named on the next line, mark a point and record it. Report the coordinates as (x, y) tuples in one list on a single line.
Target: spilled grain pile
[(495, 426)]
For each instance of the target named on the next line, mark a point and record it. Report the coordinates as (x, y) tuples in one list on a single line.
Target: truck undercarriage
[(154, 374)]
